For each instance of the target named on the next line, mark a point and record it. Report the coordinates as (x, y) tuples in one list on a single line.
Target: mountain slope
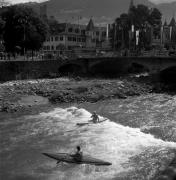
[(103, 11), (168, 10)]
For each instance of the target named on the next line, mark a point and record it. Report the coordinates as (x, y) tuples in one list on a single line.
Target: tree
[(23, 28), (143, 19), (155, 20), (119, 33), (2, 23), (155, 17), (139, 15), (54, 26)]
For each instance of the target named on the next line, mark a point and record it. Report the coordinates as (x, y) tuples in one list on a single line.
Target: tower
[(172, 26), (90, 26), (165, 23), (131, 6), (172, 22), (90, 41)]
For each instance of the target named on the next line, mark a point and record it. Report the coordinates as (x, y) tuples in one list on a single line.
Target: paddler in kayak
[(95, 117), (78, 155)]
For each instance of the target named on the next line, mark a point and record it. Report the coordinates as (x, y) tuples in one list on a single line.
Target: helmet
[(78, 148)]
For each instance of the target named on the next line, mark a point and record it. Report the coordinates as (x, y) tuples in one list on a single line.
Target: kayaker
[(95, 117), (78, 155)]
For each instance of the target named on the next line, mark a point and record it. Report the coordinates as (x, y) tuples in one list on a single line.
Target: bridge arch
[(136, 67), (106, 67), (118, 66), (168, 75)]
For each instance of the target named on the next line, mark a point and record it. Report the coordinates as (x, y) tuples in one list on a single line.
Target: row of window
[(57, 38), (74, 39), (69, 38), (97, 33), (53, 47), (77, 31), (61, 38)]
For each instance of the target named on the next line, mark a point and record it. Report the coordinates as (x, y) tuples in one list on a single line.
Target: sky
[(161, 1), (19, 1)]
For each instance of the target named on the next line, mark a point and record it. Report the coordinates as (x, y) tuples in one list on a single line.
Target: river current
[(133, 139)]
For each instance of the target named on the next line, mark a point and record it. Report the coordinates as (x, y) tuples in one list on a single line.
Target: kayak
[(82, 124), (69, 158), (90, 122)]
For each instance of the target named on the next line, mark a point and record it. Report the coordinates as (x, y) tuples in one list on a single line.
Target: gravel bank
[(64, 90)]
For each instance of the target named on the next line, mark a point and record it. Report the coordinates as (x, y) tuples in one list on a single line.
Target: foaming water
[(128, 149)]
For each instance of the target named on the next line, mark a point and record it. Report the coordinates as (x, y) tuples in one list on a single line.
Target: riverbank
[(18, 96)]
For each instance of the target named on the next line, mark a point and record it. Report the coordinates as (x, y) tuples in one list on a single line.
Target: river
[(138, 139)]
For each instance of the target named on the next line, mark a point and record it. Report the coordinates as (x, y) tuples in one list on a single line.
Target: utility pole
[(122, 38), (115, 35), (77, 35), (24, 38), (24, 21)]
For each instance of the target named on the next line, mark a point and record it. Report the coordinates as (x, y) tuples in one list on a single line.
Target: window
[(56, 38), (74, 38), (97, 33), (51, 38), (69, 38), (61, 38), (52, 47), (70, 29), (83, 32), (48, 47), (104, 33), (77, 30), (48, 39), (83, 40)]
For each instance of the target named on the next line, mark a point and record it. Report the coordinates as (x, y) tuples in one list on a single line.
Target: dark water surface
[(138, 139)]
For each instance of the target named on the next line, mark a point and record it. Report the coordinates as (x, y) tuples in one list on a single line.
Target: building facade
[(73, 36), (168, 32)]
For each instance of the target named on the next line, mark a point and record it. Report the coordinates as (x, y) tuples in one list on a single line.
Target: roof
[(90, 25), (172, 23), (165, 23)]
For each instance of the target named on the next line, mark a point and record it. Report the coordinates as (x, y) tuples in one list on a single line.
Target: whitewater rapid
[(133, 154)]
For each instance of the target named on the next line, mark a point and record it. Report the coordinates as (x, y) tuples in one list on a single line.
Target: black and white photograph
[(87, 89)]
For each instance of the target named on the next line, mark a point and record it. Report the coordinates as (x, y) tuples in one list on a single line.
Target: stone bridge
[(153, 65), (10, 70)]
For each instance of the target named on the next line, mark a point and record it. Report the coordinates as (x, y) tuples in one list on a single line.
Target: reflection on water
[(133, 154)]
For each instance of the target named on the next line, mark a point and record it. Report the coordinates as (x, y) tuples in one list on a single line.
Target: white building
[(74, 36)]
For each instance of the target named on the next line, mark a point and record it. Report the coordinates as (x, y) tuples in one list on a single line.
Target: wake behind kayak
[(68, 158), (90, 122)]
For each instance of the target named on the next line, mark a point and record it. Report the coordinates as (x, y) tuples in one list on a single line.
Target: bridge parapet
[(9, 70)]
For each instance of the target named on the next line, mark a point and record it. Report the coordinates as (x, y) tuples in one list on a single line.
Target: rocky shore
[(18, 96)]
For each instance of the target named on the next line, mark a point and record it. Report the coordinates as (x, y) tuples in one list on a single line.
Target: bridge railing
[(88, 54)]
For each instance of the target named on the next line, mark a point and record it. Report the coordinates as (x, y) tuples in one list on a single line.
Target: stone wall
[(14, 70)]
